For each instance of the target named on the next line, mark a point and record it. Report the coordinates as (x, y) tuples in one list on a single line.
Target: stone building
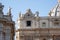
[(33, 27), (6, 25)]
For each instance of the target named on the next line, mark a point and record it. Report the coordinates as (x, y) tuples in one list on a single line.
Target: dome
[(28, 11), (55, 11)]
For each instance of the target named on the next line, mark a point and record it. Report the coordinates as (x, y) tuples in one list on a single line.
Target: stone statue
[(58, 1), (9, 11)]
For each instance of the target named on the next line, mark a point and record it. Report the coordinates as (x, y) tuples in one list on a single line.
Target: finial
[(37, 13), (20, 14), (1, 6), (0, 3), (49, 13)]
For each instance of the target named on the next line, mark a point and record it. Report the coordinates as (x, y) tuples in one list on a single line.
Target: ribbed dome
[(55, 11)]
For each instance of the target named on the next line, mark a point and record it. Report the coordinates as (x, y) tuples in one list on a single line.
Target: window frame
[(43, 24), (28, 23)]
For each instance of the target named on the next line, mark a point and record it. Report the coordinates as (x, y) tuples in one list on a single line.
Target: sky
[(43, 6)]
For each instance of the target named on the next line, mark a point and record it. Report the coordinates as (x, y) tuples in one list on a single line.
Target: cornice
[(38, 29)]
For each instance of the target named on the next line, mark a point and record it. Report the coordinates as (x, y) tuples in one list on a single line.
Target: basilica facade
[(7, 28), (33, 27)]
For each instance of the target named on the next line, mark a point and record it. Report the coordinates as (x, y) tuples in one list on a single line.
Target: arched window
[(1, 26), (8, 30), (1, 36), (8, 33)]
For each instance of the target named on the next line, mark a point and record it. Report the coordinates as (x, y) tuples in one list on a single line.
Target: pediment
[(28, 14)]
